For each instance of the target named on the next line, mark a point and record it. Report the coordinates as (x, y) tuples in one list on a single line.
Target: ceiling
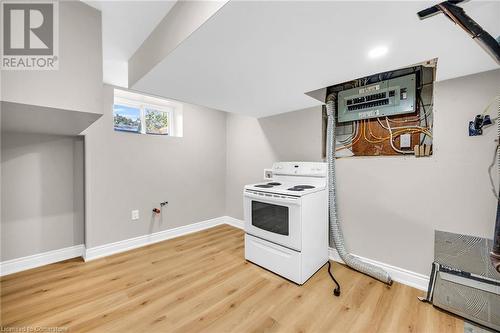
[(260, 57), (125, 25)]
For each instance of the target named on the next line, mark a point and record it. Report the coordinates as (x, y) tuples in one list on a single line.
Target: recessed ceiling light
[(378, 52)]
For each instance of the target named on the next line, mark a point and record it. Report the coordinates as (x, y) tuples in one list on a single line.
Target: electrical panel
[(385, 98)]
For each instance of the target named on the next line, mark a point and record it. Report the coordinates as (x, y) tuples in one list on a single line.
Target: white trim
[(409, 278), (401, 275), (240, 224), (132, 243), (40, 259)]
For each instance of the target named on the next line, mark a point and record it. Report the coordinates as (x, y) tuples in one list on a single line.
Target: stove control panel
[(317, 169), (272, 195)]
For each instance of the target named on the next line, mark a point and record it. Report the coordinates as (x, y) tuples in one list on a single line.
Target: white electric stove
[(286, 220)]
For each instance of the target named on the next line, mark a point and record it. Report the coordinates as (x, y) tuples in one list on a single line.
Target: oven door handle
[(272, 199)]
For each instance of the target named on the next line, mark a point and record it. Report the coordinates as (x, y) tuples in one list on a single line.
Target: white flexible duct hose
[(336, 235)]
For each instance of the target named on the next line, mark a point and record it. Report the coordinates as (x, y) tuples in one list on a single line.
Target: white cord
[(400, 127), (392, 142), (351, 137), (492, 182), (490, 104)]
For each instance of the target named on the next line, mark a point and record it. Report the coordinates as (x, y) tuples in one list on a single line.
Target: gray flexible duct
[(495, 252), (335, 231)]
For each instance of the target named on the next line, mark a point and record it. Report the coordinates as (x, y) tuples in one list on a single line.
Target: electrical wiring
[(350, 141), (351, 136), (355, 140), (400, 131), (394, 134), (392, 142), (345, 141), (420, 117), (426, 114), (424, 129), (361, 133), (350, 144), (377, 140), (371, 133), (425, 117)]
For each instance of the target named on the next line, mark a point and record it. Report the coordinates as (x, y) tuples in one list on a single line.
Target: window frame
[(170, 119), (142, 106), (130, 106)]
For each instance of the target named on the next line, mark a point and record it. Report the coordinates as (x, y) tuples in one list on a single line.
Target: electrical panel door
[(385, 98)]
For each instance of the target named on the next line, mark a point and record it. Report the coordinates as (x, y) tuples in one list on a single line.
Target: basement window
[(142, 114)]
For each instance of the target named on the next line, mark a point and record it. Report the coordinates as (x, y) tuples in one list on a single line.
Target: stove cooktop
[(268, 185), (285, 188), (300, 187)]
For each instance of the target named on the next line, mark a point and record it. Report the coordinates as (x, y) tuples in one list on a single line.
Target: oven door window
[(269, 217)]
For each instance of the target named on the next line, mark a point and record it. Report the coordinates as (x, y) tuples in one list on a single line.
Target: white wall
[(77, 84), (254, 144), (127, 171), (389, 206), (42, 193), (179, 23)]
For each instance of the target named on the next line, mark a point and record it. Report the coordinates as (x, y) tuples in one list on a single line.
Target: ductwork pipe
[(336, 236), (495, 253)]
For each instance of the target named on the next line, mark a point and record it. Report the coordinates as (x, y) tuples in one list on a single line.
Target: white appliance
[(286, 220)]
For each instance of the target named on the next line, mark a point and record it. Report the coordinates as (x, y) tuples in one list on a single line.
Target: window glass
[(126, 118), (157, 122)]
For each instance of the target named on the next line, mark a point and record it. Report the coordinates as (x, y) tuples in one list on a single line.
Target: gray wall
[(77, 84), (126, 171), (386, 215), (41, 193)]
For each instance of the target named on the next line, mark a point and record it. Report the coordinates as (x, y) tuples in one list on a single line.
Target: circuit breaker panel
[(385, 98)]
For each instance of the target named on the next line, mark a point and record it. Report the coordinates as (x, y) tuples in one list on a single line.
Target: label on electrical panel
[(368, 89), (369, 114)]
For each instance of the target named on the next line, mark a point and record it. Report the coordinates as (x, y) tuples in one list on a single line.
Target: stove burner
[(274, 184), (300, 187), (305, 187), (263, 185)]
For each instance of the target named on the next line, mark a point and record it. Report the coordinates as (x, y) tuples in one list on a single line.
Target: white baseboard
[(132, 243), (409, 278), (401, 275), (240, 224), (40, 259)]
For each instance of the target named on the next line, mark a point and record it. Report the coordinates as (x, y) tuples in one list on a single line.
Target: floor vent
[(463, 280)]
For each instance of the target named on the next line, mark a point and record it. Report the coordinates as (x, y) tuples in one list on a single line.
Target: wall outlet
[(135, 215)]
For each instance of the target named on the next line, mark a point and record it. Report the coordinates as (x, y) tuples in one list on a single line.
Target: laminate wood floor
[(202, 283)]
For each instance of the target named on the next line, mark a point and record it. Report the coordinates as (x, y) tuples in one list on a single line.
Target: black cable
[(336, 291), (425, 115)]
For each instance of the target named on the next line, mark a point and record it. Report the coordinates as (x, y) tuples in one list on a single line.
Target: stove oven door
[(273, 217)]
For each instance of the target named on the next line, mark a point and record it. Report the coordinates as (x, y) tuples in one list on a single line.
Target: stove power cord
[(336, 291)]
